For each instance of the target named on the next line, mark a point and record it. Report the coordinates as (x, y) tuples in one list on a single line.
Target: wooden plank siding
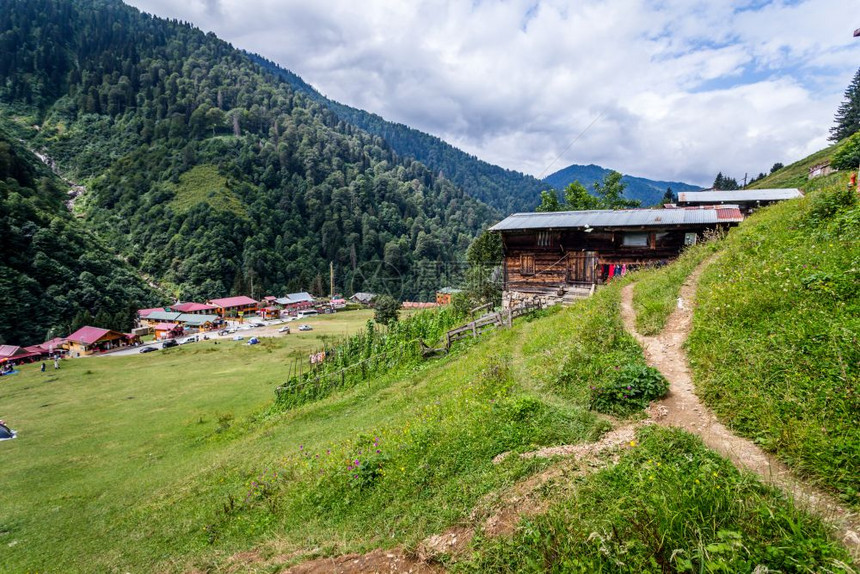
[(546, 259)]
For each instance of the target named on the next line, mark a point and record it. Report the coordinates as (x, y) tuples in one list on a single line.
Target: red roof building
[(144, 312), (194, 308), (167, 330), (89, 340), (234, 306), (17, 354)]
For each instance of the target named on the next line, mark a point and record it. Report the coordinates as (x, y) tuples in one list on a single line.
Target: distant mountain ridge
[(648, 191)]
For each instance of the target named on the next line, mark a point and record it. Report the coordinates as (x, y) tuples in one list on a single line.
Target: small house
[(153, 318), (363, 298), (747, 200), (15, 354), (443, 296), (90, 340), (293, 302), (545, 254), (167, 331)]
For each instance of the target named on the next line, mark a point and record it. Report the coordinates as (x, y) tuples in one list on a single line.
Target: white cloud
[(682, 88)]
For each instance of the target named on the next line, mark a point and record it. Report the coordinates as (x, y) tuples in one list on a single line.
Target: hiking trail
[(682, 408)]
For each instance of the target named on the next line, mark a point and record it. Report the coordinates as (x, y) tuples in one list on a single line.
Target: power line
[(588, 127)]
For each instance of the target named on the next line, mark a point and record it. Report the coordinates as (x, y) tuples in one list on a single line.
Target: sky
[(675, 90)]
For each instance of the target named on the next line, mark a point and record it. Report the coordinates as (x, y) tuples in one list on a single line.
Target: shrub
[(634, 386)]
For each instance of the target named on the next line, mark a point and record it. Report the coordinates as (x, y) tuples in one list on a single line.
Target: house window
[(527, 264), (689, 239), (635, 240), (544, 239)]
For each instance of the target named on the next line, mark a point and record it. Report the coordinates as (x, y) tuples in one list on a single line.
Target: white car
[(238, 337), (305, 328), (285, 329)]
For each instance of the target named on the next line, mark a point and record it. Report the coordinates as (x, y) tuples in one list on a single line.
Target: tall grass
[(656, 290), (668, 505), (775, 347)]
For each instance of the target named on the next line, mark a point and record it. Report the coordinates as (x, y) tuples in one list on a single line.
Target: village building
[(238, 306), (293, 302), (90, 340), (270, 312), (443, 296), (143, 313), (167, 330), (15, 354), (747, 200), (545, 255), (199, 322), (194, 308), (153, 318), (363, 298)]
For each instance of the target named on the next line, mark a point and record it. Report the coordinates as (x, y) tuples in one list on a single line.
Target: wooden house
[(545, 254), (747, 200), (90, 340), (167, 330), (239, 306), (443, 296)]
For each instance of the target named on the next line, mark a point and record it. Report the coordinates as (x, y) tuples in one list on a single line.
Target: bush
[(632, 389), (848, 155)]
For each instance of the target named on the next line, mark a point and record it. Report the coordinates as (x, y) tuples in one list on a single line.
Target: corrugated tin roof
[(776, 194), (163, 316), (89, 335), (238, 301), (190, 307), (616, 218), (190, 319)]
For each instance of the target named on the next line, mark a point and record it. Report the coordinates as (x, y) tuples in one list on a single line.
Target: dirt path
[(682, 408)]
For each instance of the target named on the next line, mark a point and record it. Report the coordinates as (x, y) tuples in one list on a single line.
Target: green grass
[(174, 461), (668, 505), (797, 173), (774, 347), (655, 293), (203, 184)]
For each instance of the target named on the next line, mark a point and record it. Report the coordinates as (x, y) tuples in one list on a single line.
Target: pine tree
[(848, 115)]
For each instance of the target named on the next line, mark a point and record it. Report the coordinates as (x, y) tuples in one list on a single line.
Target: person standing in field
[(56, 363)]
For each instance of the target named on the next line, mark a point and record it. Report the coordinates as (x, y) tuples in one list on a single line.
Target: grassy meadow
[(177, 461), (775, 347)]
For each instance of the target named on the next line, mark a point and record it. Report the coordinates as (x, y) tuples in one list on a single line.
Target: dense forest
[(210, 173), (506, 190), (54, 276)]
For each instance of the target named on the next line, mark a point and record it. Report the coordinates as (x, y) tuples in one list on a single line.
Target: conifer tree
[(848, 115)]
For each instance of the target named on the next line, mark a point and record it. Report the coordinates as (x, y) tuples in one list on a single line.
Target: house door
[(581, 267)]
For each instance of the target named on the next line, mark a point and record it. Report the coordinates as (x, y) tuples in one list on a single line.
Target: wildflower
[(633, 443), (301, 447), (378, 451)]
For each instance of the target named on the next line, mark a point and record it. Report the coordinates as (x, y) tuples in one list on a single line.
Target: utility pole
[(331, 278)]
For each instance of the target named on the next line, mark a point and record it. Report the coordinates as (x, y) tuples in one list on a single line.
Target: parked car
[(284, 329), (253, 341), (191, 339), (238, 337), (305, 328), (169, 343), (148, 349)]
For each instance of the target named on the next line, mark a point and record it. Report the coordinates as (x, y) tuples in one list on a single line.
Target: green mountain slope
[(54, 275), (214, 176), (506, 190), (648, 191)]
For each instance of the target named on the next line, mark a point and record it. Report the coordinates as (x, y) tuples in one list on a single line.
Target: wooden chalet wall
[(546, 259)]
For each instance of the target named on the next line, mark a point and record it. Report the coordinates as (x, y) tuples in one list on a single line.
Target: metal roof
[(163, 316), (617, 218), (776, 194)]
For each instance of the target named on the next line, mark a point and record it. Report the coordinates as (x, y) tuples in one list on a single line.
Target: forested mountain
[(506, 190), (54, 274), (648, 191), (211, 174)]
